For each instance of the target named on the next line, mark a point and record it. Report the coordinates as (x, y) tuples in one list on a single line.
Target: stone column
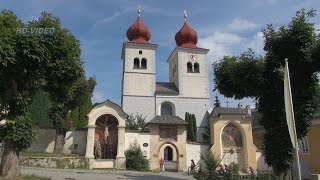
[(120, 151), (90, 142)]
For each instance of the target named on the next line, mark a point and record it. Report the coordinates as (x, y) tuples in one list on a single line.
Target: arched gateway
[(106, 136)]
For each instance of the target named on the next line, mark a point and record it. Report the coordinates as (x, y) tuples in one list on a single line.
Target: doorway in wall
[(168, 153)]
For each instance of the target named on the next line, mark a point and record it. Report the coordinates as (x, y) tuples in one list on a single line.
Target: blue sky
[(225, 27)]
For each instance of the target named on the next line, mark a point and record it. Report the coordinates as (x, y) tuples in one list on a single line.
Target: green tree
[(207, 135), (209, 170), (27, 64), (63, 104), (262, 78), (39, 110), (78, 114), (137, 122), (191, 127), (135, 159), (194, 127)]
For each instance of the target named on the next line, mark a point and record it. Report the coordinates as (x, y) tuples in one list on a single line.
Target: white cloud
[(98, 96), (232, 39), (239, 24), (257, 43), (220, 44), (114, 16)]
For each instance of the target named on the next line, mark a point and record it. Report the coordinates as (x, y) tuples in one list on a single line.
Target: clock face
[(193, 57)]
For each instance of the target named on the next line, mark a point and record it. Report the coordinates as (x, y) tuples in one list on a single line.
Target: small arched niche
[(232, 143), (106, 137)]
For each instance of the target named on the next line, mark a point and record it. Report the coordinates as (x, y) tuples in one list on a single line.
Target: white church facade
[(164, 105), (235, 134)]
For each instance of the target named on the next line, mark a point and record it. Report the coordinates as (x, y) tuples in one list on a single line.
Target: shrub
[(136, 122), (208, 171), (135, 159)]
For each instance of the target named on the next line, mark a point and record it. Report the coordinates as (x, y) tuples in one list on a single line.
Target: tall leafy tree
[(63, 104), (78, 114), (39, 109), (27, 64), (191, 126), (261, 78)]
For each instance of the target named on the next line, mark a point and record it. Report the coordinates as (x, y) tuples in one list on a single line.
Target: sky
[(225, 27)]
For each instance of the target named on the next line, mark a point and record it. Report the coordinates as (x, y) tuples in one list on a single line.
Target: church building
[(164, 105), (235, 133)]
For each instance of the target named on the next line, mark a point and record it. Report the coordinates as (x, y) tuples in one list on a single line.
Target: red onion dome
[(186, 37), (138, 32)]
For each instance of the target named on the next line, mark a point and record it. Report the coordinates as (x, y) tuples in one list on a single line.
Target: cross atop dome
[(139, 10), (185, 15), (186, 37)]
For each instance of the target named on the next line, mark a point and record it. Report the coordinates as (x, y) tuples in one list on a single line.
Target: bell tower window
[(136, 63), (144, 63), (196, 68), (189, 67)]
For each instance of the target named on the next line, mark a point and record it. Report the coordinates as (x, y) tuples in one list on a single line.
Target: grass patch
[(30, 177), (45, 154)]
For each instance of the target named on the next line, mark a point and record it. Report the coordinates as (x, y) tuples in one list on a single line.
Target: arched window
[(196, 67), (136, 63), (189, 67), (144, 63), (166, 109)]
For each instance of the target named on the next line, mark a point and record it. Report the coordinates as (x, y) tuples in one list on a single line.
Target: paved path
[(77, 174)]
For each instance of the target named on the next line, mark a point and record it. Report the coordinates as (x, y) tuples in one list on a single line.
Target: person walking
[(162, 165), (192, 167)]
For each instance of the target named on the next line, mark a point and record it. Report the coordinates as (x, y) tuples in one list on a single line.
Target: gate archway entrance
[(168, 154), (106, 130)]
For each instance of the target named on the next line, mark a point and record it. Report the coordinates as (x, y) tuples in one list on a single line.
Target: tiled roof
[(166, 88), (217, 111), (167, 119)]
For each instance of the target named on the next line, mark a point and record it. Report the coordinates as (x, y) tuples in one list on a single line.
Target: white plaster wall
[(75, 137), (139, 81), (140, 138), (197, 106), (139, 104), (193, 84), (44, 141), (46, 137), (138, 84), (194, 151), (261, 165), (132, 52)]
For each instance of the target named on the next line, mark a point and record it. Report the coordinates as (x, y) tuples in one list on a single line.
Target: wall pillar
[(120, 150), (90, 142)]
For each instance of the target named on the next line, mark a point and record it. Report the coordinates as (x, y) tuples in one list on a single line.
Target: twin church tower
[(188, 86)]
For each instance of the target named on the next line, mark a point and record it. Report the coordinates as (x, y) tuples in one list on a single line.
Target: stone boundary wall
[(141, 138), (76, 141), (55, 162), (193, 151)]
